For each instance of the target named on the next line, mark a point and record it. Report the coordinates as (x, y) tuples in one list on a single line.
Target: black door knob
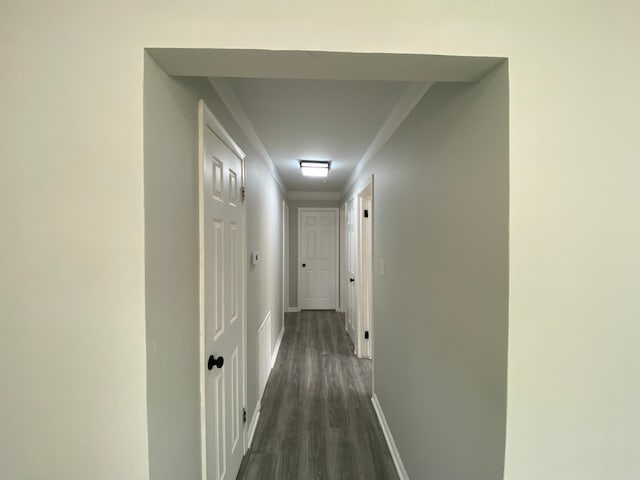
[(352, 280), (304, 265), (215, 362)]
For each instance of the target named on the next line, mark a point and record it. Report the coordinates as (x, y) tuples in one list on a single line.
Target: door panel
[(351, 314), (324, 283), (235, 400), (216, 454), (310, 235), (235, 276), (318, 256), (214, 261), (221, 290)]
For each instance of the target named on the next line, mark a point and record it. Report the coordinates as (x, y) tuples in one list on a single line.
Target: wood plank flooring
[(317, 421)]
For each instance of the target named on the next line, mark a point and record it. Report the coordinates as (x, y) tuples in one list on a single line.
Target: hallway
[(317, 420)]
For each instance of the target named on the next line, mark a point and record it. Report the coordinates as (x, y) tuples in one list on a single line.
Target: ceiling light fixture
[(315, 168)]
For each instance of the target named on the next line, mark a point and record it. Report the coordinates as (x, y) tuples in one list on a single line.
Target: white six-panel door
[(318, 242), (222, 301)]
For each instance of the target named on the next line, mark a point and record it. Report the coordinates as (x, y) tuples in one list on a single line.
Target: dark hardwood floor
[(317, 420)]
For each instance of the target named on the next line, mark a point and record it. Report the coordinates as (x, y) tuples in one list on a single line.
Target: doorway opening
[(441, 152)]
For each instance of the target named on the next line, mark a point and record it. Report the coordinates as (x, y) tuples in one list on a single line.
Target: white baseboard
[(276, 348), (253, 424), (265, 351), (402, 473), (293, 309)]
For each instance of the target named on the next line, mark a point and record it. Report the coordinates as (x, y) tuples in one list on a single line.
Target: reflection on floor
[(317, 420)]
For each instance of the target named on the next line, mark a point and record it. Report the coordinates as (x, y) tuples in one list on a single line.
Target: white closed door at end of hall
[(318, 255), (221, 301)]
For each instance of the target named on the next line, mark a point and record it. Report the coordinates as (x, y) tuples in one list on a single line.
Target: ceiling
[(334, 120)]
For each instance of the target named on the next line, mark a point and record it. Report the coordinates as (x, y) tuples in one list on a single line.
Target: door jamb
[(337, 246), (285, 258), (364, 290), (342, 275), (205, 113)]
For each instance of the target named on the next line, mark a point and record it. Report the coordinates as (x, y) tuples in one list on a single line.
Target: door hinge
[(244, 415), (242, 193), (366, 334), (366, 213)]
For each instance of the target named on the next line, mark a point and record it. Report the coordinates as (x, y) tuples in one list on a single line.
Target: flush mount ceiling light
[(314, 168)]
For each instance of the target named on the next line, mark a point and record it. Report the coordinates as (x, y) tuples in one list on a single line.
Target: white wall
[(172, 274), (264, 280), (72, 334), (72, 248), (440, 221), (171, 250)]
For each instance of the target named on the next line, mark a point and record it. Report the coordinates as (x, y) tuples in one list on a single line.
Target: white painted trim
[(252, 425), (307, 195), (293, 309), (265, 327), (201, 323), (412, 95), (299, 262), (285, 258), (276, 348), (395, 454), (245, 261), (342, 274), (226, 93), (337, 247), (221, 132), (364, 269), (205, 115)]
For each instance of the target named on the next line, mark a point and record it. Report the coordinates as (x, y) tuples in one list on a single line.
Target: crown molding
[(224, 89), (308, 195), (409, 99)]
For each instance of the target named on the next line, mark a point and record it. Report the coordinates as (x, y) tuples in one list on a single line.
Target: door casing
[(365, 277), (285, 257), (342, 307)]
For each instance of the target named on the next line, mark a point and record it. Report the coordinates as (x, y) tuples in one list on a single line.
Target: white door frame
[(337, 243), (364, 268), (285, 258), (219, 130)]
